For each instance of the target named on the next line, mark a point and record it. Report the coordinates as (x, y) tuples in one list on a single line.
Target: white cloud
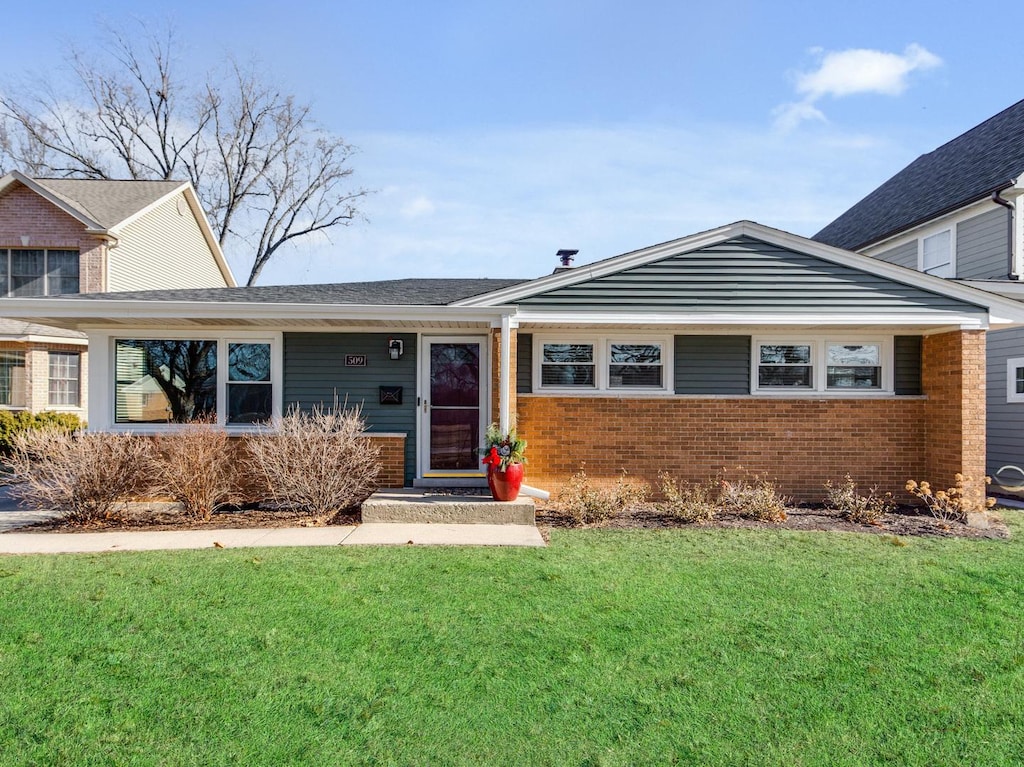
[(418, 206), (850, 72)]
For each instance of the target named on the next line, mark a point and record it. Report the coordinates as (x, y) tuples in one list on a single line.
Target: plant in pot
[(504, 456)]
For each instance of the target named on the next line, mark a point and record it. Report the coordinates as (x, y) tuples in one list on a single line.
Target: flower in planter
[(502, 450)]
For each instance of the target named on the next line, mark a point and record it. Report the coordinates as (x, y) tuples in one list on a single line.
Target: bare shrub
[(195, 466), (753, 497), (947, 505), (85, 474), (860, 509), (689, 502), (588, 504), (319, 461)]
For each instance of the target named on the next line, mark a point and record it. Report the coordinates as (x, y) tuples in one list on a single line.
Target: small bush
[(195, 466), (319, 461), (690, 503), (753, 497), (14, 422), (85, 474), (946, 505), (587, 504), (860, 509)]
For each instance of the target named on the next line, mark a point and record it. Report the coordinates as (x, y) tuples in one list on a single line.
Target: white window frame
[(77, 404), (951, 231), (8, 255), (819, 365), (103, 376), (602, 344), (1012, 365)]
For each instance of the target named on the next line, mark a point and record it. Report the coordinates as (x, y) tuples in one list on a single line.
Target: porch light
[(395, 348)]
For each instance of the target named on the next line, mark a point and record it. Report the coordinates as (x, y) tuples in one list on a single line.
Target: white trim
[(504, 374), (951, 264), (947, 221), (1011, 379), (601, 343), (819, 365), (102, 376), (53, 199)]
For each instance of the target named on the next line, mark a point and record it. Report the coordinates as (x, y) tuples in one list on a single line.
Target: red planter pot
[(505, 484)]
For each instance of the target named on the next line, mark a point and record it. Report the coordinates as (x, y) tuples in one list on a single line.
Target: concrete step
[(418, 505)]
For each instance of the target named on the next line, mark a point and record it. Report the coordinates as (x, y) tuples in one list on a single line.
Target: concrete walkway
[(369, 534)]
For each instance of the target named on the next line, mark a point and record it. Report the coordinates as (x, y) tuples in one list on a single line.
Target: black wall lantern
[(395, 348)]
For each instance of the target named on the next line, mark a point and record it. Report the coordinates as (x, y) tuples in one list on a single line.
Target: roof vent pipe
[(1012, 263), (565, 259)]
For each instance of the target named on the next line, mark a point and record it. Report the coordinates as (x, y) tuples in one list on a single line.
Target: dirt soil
[(905, 521), (170, 520)]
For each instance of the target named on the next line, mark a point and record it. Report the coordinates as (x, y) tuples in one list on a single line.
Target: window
[(225, 380), (249, 387), (12, 379), (36, 272), (823, 365), (937, 254), (601, 364), (65, 370), (1015, 379)]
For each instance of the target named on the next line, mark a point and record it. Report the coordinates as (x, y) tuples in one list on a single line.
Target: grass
[(705, 647)]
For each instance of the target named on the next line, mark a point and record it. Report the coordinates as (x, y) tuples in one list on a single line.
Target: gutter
[(1012, 262)]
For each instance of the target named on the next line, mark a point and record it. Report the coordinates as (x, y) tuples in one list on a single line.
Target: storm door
[(452, 405)]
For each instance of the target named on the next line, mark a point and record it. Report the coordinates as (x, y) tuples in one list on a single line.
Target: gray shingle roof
[(108, 203), (411, 292), (18, 328), (972, 166)]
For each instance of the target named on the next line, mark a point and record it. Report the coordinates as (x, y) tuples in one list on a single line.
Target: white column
[(504, 365)]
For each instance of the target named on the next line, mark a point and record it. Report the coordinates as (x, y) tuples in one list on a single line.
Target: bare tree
[(264, 171)]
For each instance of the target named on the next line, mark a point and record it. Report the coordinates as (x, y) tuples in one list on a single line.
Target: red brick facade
[(392, 458), (799, 442)]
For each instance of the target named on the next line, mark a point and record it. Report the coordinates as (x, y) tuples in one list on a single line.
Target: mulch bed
[(904, 521), (170, 520)]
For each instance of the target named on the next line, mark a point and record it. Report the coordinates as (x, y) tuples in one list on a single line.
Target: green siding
[(315, 372), (524, 363), (907, 364), (745, 275), (712, 364)]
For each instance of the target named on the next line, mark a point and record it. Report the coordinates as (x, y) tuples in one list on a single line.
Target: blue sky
[(496, 133)]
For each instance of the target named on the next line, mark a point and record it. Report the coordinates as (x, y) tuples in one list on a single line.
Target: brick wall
[(801, 443), (23, 213), (37, 374), (953, 378), (392, 457)]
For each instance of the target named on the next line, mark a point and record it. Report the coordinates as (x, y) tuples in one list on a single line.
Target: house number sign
[(355, 360)]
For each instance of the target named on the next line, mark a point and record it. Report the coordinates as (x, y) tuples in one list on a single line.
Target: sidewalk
[(368, 534)]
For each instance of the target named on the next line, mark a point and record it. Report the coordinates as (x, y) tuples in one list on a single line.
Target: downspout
[(1011, 272)]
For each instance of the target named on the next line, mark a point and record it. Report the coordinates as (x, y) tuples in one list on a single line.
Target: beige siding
[(163, 249)]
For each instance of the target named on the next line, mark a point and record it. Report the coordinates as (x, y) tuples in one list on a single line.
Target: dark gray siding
[(524, 363), (315, 372), (1005, 442), (712, 364), (904, 255), (981, 246), (746, 275), (907, 364)]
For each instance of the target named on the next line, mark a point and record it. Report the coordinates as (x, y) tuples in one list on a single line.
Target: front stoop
[(415, 505)]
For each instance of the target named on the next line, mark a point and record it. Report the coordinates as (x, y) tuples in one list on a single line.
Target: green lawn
[(608, 648)]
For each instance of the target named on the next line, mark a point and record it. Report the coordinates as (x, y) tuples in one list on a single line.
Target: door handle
[(425, 408)]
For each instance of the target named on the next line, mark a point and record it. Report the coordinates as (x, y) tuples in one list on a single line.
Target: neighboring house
[(740, 346), (958, 213), (68, 236)]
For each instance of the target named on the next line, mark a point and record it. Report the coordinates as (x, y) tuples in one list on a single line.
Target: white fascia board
[(50, 197), (767, 234), (98, 310), (527, 317), (945, 221)]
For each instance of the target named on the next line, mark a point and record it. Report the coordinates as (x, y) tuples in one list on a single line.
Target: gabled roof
[(410, 292), (985, 159)]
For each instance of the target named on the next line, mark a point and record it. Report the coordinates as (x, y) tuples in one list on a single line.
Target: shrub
[(195, 466), (86, 474), (861, 509), (689, 502), (946, 505), (753, 497), (319, 461), (587, 504), (14, 422)]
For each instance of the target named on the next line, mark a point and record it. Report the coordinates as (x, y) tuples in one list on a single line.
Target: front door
[(453, 405)]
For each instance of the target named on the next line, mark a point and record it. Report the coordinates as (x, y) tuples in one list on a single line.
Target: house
[(69, 236), (958, 213), (739, 346)]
